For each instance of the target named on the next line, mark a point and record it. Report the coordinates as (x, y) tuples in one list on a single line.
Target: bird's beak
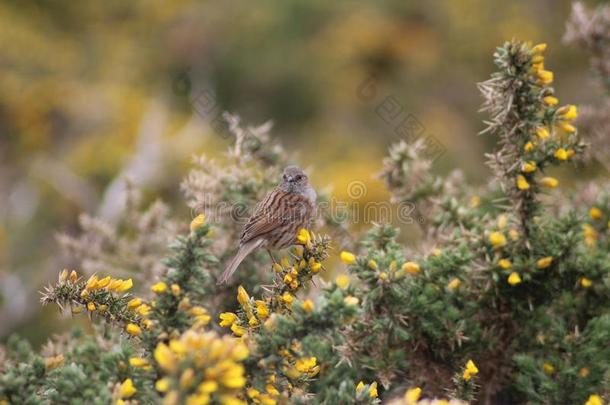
[(289, 179)]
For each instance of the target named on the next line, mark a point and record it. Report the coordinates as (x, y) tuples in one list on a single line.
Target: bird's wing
[(265, 218), (277, 209)]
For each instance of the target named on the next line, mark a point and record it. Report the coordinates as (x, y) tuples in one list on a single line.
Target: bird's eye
[(298, 177)]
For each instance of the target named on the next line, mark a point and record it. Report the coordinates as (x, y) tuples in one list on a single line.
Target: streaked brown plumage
[(277, 219)]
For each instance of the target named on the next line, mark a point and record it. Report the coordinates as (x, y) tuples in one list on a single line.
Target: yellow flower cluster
[(412, 396), (470, 370), (107, 283), (256, 312), (372, 388), (305, 265), (201, 368)]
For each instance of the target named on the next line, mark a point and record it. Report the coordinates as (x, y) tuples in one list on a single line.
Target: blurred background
[(97, 92)]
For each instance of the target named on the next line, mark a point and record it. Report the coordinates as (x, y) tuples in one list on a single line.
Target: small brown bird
[(277, 219)]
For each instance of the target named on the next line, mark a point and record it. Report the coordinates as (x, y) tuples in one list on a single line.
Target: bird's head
[(294, 179)]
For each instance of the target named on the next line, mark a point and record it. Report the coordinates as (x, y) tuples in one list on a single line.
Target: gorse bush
[(507, 302)]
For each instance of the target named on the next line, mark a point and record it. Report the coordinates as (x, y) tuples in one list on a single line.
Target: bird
[(277, 218)]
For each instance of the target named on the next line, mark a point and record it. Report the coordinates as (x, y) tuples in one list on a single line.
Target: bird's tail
[(244, 250)]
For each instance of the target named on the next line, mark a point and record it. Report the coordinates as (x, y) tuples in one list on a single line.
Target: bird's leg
[(271, 256)]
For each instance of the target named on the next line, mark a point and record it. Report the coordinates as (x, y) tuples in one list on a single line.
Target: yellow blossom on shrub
[(585, 282), (242, 296), (545, 76), (594, 399), (159, 287), (569, 128), (595, 213), (544, 262), (548, 368), (568, 112), (373, 390), (134, 303), (308, 305), (522, 183), (127, 389), (454, 283), (342, 281), (412, 395), (528, 167), (497, 239), (411, 267), (539, 48), (561, 154), (125, 285), (90, 306), (133, 329), (351, 300), (528, 147), (505, 264), (303, 236), (542, 132), (550, 100), (197, 222), (470, 370), (261, 309), (138, 362), (549, 182), (514, 278), (348, 258)]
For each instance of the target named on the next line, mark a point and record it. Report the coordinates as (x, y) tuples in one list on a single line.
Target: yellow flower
[(90, 306), (272, 390), (514, 234), (277, 267), (342, 281), (569, 128), (497, 239), (454, 283), (561, 154), (528, 167), (51, 363), (125, 285), (308, 306), (545, 76), (348, 258), (303, 236), (134, 303), (522, 183), (548, 368), (514, 278), (242, 296), (261, 309), (372, 264), (373, 390), (585, 282), (550, 100), (159, 288), (595, 213), (351, 300), (360, 386), (227, 319), (470, 370), (284, 262), (315, 267), (103, 283), (549, 182), (305, 364), (287, 298), (162, 385), (544, 262), (175, 289), (138, 362), (542, 132), (583, 372), (127, 389), (502, 221), (475, 201), (73, 277), (133, 329), (412, 395), (197, 222), (165, 357), (77, 310), (568, 112), (383, 276), (528, 147), (91, 283), (411, 267), (539, 48), (594, 399), (238, 330), (143, 309), (505, 264)]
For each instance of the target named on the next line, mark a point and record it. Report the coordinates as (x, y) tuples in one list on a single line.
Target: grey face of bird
[(294, 179)]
